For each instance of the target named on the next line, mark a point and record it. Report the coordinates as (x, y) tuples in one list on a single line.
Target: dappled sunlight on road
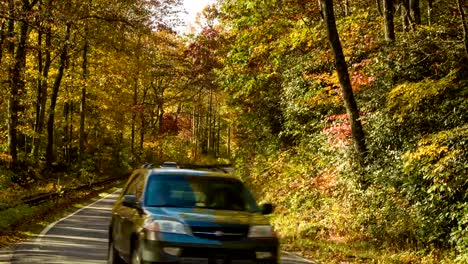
[(80, 238)]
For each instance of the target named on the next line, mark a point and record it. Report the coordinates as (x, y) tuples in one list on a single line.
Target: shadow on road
[(80, 238)]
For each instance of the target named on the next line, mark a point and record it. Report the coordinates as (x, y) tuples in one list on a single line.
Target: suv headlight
[(259, 231), (166, 226)]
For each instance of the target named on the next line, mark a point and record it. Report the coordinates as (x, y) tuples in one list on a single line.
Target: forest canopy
[(350, 116)]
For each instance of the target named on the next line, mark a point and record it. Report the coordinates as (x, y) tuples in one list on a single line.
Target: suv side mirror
[(130, 201), (266, 208)]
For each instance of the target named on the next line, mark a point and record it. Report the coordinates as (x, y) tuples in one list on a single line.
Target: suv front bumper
[(177, 248)]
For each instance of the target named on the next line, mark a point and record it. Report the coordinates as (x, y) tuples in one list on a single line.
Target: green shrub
[(15, 215), (437, 184)]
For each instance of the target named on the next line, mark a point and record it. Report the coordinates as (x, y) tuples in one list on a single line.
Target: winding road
[(80, 238)]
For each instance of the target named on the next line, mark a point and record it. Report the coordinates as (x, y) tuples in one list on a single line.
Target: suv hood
[(202, 216)]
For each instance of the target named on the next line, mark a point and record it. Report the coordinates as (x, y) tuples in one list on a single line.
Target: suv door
[(124, 216)]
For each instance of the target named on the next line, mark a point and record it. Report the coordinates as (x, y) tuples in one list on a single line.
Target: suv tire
[(112, 255)]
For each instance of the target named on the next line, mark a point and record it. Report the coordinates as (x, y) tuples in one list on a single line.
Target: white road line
[(47, 229)]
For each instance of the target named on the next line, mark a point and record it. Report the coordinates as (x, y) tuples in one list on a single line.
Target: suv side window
[(135, 187), (130, 188), (139, 185)]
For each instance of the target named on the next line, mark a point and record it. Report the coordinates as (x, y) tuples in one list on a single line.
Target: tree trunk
[(405, 17), (38, 90), (70, 132), (83, 100), (415, 11), (465, 27), (142, 132), (343, 76), (2, 40), (346, 7), (13, 96), (66, 138), (53, 101), (429, 12), (379, 8), (388, 21), (16, 81), (44, 85), (229, 141), (161, 115), (143, 121), (135, 101)]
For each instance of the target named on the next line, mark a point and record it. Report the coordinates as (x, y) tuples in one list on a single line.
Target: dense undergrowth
[(409, 202)]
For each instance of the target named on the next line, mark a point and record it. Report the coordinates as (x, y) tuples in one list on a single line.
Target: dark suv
[(189, 216)]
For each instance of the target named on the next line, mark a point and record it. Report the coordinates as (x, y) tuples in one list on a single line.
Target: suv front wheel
[(112, 255), (136, 254)]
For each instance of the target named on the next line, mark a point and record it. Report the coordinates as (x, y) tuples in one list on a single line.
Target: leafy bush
[(437, 184), (15, 215)]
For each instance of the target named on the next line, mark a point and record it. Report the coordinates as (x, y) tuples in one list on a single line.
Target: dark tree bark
[(2, 39), (465, 27), (388, 21), (83, 99), (43, 95), (135, 102), (13, 96), (143, 124), (39, 91), (16, 78), (343, 76), (66, 138), (415, 11), (53, 101)]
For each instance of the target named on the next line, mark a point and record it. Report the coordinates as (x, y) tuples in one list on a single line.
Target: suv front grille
[(224, 233)]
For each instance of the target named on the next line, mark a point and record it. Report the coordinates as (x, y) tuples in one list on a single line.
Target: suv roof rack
[(206, 167), (147, 166)]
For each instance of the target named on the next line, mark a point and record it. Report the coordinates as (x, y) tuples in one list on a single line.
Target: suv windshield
[(198, 192)]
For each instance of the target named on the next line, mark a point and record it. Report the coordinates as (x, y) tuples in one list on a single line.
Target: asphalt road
[(80, 238)]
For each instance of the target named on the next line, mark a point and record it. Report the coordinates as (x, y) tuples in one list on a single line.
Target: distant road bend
[(80, 238)]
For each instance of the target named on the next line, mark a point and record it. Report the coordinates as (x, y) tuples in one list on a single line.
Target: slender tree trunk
[(83, 100), (161, 113), (143, 121), (66, 138), (229, 141), (199, 142), (53, 101), (210, 123), (388, 21), (343, 76), (38, 89), (13, 96), (142, 131), (16, 81), (415, 11), (218, 136), (70, 133), (2, 39), (465, 27), (429, 12), (379, 8), (44, 86), (405, 15), (346, 7), (135, 101)]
